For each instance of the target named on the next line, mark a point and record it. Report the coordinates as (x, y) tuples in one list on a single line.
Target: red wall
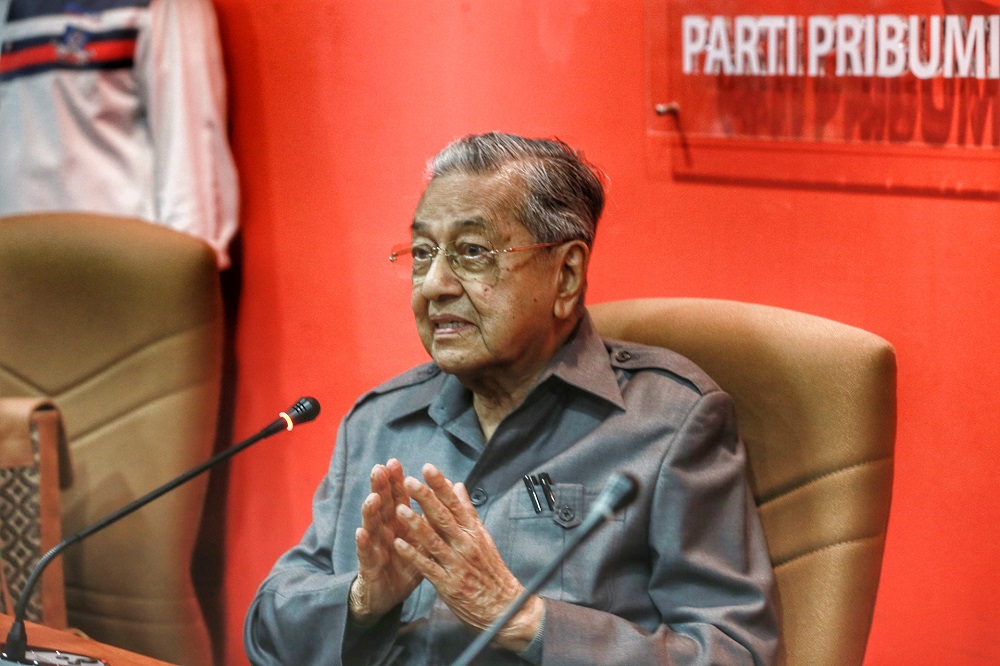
[(336, 105)]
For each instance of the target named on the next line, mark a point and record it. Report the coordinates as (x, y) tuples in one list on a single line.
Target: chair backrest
[(816, 403), (119, 322)]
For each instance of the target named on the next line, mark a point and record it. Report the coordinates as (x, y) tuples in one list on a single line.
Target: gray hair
[(562, 195)]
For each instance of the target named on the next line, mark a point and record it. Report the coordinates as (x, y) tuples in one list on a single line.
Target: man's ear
[(572, 278)]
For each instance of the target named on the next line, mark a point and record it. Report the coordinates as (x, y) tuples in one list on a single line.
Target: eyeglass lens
[(468, 260)]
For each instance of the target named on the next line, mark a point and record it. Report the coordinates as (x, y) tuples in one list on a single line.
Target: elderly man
[(522, 394)]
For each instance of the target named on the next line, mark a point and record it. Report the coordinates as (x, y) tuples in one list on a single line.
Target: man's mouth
[(445, 325)]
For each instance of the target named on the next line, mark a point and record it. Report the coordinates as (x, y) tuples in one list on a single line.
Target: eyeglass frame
[(453, 257)]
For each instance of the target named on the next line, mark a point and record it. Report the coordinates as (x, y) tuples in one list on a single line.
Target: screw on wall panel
[(673, 109), (669, 109)]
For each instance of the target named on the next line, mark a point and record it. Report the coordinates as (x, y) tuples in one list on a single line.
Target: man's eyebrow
[(472, 222)]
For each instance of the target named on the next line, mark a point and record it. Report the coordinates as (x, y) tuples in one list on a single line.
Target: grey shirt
[(681, 576)]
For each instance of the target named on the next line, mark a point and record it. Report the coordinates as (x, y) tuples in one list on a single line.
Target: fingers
[(373, 519), (387, 486), (384, 578), (428, 552), (448, 528), (387, 482), (444, 503), (394, 470), (373, 540), (370, 558), (378, 510), (449, 532), (449, 547)]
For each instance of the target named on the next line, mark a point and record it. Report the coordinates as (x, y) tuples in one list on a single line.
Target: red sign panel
[(902, 95)]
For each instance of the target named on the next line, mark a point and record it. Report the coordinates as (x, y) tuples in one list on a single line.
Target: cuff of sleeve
[(533, 653), (371, 644)]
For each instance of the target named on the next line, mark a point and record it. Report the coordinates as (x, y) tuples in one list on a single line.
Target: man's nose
[(440, 279)]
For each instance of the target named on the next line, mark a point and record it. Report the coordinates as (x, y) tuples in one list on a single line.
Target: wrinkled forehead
[(457, 204)]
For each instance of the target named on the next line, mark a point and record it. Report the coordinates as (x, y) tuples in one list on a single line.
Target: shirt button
[(478, 496), (566, 513), (622, 356)]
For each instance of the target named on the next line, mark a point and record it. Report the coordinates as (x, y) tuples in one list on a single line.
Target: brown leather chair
[(119, 322), (816, 403)]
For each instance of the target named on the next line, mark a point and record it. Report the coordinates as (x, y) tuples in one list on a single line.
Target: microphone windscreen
[(304, 410), (618, 492)]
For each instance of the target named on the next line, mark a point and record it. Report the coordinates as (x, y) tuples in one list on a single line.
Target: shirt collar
[(582, 362)]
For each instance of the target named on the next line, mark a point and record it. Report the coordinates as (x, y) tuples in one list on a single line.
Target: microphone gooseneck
[(620, 490), (15, 649)]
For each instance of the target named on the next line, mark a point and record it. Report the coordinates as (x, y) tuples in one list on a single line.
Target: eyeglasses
[(470, 261)]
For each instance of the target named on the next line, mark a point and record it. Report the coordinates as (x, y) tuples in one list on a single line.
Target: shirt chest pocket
[(536, 538)]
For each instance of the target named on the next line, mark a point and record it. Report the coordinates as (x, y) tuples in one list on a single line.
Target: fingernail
[(404, 511)]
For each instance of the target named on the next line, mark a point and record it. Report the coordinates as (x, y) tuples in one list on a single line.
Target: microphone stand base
[(37, 656)]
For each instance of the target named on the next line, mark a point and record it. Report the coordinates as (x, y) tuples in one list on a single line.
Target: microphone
[(619, 491), (15, 650)]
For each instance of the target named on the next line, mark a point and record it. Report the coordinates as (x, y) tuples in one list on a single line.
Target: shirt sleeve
[(711, 577), (300, 613), (181, 76)]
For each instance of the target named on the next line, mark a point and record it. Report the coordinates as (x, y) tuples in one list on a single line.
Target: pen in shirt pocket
[(532, 495), (546, 483)]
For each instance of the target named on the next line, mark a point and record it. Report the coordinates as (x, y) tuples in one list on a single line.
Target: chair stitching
[(23, 380), (128, 619), (129, 354), (837, 544), (108, 369), (76, 588), (816, 479), (139, 406)]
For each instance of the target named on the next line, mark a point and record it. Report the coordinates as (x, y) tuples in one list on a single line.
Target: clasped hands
[(448, 546)]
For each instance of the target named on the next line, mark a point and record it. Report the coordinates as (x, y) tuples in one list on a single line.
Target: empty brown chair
[(816, 403), (119, 323)]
